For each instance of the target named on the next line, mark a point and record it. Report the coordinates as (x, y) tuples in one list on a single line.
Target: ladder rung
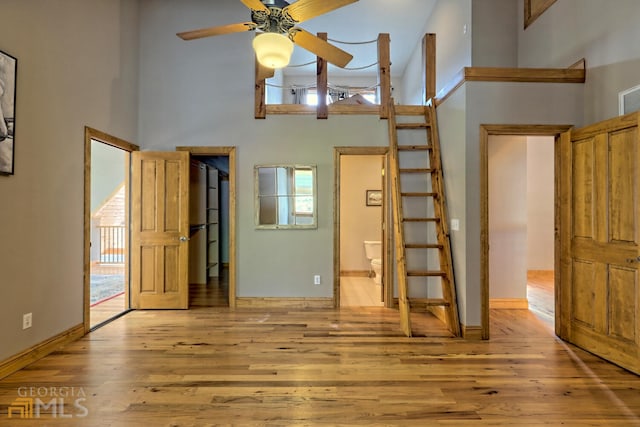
[(422, 219), (419, 194), (414, 147), (423, 246), (417, 170), (429, 302), (412, 125), (425, 273)]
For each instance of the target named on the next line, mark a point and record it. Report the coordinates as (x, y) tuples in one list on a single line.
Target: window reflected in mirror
[(285, 196)]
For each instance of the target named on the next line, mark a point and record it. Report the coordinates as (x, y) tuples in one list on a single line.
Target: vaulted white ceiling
[(404, 20)]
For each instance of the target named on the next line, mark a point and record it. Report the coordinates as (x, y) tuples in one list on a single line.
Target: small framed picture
[(8, 65), (374, 197)]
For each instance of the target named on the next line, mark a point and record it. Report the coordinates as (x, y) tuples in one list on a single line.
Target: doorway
[(212, 195), (107, 161), (521, 228), (361, 262), (506, 154)]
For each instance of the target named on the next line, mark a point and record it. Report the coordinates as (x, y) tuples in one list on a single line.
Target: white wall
[(495, 33), (540, 203), (107, 175), (77, 66), (453, 48), (507, 157), (603, 32), (358, 222)]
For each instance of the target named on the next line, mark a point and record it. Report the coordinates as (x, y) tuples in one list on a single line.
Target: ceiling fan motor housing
[(277, 21)]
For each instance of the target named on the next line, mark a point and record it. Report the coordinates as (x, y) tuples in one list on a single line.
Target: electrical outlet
[(455, 224), (316, 279), (27, 320)]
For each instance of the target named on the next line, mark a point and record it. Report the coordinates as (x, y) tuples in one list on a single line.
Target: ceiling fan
[(277, 22)]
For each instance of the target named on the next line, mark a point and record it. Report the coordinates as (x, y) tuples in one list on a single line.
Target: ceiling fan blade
[(264, 72), (321, 48), (303, 10), (216, 31), (255, 5)]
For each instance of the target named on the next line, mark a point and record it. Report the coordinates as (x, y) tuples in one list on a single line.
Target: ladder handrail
[(446, 258), (439, 219), (396, 201)]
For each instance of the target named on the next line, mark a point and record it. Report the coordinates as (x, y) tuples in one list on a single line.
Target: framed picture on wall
[(8, 69), (374, 197)]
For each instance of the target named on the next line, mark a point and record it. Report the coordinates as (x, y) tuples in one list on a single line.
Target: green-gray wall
[(77, 66)]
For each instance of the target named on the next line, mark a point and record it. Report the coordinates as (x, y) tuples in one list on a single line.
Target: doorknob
[(184, 239), (632, 260)]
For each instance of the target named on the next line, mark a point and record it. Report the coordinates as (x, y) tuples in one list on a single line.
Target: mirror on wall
[(285, 196)]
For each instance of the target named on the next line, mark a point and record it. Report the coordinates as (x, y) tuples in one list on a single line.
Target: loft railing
[(112, 244), (322, 109)]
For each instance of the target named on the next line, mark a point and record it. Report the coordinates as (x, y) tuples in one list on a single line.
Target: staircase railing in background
[(112, 244)]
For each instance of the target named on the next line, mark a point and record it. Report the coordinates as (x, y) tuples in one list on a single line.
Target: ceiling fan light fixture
[(273, 50)]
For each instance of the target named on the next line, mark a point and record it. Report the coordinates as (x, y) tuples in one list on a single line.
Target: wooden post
[(260, 104), (322, 111), (384, 74), (428, 67)]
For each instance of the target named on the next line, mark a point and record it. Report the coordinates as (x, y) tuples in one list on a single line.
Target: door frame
[(230, 152), (386, 219), (486, 131), (89, 135)]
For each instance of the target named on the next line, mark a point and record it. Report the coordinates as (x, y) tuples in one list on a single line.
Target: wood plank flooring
[(353, 366), (359, 292), (105, 310)]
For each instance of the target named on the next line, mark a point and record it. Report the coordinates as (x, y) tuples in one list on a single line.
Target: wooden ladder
[(419, 215)]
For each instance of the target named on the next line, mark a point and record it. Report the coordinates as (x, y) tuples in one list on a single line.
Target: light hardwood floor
[(359, 292), (214, 366)]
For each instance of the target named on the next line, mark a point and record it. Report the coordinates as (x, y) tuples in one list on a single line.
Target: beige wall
[(358, 222), (77, 66), (540, 203), (521, 211), (507, 157)]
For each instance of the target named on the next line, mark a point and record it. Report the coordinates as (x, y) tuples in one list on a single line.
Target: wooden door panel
[(599, 240), (584, 296), (583, 188), (623, 307), (622, 191), (160, 226)]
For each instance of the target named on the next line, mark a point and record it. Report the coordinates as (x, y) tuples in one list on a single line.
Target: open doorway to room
[(212, 226), (107, 227), (361, 247), (521, 223), (519, 210)]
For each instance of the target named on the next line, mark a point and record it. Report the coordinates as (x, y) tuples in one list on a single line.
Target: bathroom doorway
[(361, 242)]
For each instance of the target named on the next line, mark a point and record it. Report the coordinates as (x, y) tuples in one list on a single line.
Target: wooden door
[(159, 230), (599, 226)]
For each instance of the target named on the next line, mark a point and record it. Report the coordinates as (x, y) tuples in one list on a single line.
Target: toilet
[(373, 252)]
